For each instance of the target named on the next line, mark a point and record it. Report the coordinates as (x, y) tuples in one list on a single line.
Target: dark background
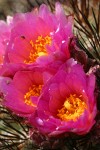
[(10, 7)]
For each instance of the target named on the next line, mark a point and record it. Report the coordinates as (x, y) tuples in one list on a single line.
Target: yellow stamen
[(72, 109), (33, 91), (38, 48)]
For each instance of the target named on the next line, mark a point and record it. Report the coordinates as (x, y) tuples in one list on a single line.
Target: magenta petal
[(44, 11), (20, 51), (24, 80), (9, 70), (4, 38), (60, 14)]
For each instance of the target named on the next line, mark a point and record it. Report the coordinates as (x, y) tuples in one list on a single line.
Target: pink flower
[(4, 38), (21, 93), (67, 103), (38, 36)]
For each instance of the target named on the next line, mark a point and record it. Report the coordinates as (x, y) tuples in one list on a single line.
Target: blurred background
[(10, 7)]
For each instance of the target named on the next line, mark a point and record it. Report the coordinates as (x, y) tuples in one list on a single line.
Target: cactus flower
[(21, 93), (36, 35), (67, 103)]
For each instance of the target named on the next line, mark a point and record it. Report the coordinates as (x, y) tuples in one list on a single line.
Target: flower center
[(38, 48), (72, 109), (33, 91)]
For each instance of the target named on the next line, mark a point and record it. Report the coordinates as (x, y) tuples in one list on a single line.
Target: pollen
[(33, 91), (38, 48), (72, 109)]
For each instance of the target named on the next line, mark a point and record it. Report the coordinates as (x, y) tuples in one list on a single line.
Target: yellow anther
[(72, 108), (33, 91), (38, 48)]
